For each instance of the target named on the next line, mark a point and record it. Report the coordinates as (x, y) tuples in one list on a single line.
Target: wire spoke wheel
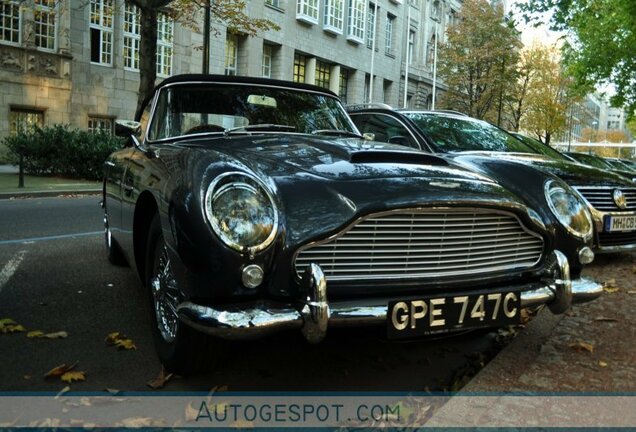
[(165, 295)]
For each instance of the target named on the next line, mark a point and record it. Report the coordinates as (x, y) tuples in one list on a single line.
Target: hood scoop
[(396, 156)]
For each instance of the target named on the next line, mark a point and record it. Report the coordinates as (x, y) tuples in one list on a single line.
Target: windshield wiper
[(336, 132), (259, 127)]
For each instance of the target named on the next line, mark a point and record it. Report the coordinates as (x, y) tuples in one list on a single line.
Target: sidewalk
[(42, 186), (590, 349)]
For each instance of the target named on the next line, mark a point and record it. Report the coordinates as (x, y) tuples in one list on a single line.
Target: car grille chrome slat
[(425, 244), (601, 197)]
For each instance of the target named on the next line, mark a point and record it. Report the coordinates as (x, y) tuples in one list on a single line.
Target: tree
[(230, 13), (601, 47), (478, 60), (548, 97), (516, 103)]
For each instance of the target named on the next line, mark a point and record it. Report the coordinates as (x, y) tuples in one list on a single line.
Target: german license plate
[(420, 317), (620, 223)]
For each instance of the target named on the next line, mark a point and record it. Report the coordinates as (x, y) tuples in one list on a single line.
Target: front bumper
[(314, 314), (605, 242)]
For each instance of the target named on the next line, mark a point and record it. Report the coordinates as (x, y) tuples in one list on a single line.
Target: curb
[(46, 194)]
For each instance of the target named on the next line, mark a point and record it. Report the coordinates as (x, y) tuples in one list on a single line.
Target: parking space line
[(11, 267), (57, 237)]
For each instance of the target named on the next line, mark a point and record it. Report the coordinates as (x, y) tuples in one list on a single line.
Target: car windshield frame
[(178, 108), (450, 138)]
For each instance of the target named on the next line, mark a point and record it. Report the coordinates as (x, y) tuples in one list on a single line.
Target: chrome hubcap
[(165, 296), (107, 233)]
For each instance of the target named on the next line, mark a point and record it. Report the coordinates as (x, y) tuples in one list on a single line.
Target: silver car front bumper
[(314, 314)]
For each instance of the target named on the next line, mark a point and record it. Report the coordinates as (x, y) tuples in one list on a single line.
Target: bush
[(59, 150)]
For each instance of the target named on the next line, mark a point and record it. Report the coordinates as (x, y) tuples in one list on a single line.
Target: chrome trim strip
[(423, 210), (256, 319)]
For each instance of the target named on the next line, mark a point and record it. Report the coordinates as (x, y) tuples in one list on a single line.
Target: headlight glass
[(569, 209), (241, 212)]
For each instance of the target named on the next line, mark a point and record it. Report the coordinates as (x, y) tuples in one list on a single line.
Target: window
[(430, 54), (231, 54), (323, 74), (299, 68), (44, 21), (370, 25), (355, 24), (307, 10), (388, 40), (334, 16), (23, 119), (10, 17), (384, 128), (267, 61), (164, 45), (100, 125), (411, 46), (274, 3), (344, 85), (131, 36), (101, 28)]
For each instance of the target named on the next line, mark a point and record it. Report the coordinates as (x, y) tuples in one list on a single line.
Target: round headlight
[(241, 212), (569, 209)]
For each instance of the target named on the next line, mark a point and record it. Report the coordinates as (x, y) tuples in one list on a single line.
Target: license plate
[(620, 223), (420, 317)]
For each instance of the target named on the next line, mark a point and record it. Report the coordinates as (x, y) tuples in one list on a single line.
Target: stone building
[(76, 61)]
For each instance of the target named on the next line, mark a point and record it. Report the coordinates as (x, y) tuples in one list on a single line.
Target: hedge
[(59, 150)]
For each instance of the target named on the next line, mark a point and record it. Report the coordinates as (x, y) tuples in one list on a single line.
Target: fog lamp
[(586, 255), (252, 276)]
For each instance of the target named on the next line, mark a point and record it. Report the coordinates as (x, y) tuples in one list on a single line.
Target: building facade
[(77, 62)]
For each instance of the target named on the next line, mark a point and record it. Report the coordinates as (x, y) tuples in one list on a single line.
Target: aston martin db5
[(248, 206)]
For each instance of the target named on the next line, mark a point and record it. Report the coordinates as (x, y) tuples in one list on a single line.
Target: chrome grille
[(600, 197), (425, 244)]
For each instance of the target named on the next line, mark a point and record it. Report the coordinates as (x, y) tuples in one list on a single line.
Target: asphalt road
[(54, 276)]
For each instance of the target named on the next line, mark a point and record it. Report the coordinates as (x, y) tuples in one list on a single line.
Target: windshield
[(189, 109), (466, 134), (541, 148), (592, 160)]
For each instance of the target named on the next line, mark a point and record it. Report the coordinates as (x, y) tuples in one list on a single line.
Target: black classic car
[(249, 206), (487, 149), (601, 163)]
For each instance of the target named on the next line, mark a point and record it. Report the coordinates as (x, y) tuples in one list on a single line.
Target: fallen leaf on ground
[(10, 326), (582, 346), (611, 290), (35, 334), (56, 335), (160, 380), (605, 319), (609, 283), (602, 364), (59, 370), (71, 376), (631, 292), (121, 341)]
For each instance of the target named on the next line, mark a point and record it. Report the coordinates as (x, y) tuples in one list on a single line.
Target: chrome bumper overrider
[(314, 314)]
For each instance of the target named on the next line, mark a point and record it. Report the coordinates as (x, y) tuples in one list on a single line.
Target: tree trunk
[(147, 57)]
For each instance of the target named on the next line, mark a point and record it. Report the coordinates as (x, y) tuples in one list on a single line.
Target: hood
[(335, 159), (572, 173), (322, 185)]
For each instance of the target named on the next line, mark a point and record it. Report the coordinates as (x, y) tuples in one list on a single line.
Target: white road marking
[(10, 268)]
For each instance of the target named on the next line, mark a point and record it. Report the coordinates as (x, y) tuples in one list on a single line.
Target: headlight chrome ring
[(569, 209), (241, 211)]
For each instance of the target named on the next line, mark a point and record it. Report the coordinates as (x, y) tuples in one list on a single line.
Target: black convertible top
[(242, 80)]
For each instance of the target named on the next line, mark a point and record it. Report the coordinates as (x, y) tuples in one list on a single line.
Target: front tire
[(180, 348)]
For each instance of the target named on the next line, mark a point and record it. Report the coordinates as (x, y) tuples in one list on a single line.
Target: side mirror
[(368, 136), (127, 128)]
